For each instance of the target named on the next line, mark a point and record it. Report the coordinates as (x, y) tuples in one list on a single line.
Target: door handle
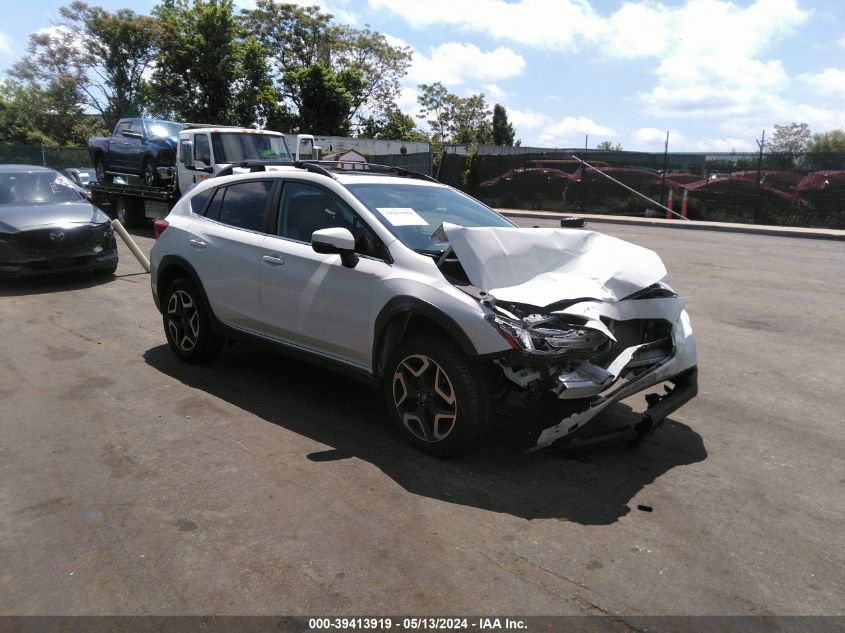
[(197, 243), (273, 260)]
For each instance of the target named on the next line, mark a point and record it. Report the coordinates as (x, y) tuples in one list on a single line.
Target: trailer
[(132, 204)]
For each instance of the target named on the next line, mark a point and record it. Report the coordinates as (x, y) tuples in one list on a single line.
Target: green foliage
[(789, 139), (454, 119), (325, 97), (832, 141), (392, 124), (503, 132), (207, 70), (609, 147), (114, 50), (357, 64), (472, 164)]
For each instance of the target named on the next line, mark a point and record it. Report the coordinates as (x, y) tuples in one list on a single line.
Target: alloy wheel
[(425, 398), (183, 320)]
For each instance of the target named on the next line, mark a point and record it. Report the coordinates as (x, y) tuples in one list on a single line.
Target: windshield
[(41, 187), (164, 129), (232, 147), (413, 212)]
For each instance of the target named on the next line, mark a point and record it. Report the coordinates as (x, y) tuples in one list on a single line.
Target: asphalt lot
[(131, 483)]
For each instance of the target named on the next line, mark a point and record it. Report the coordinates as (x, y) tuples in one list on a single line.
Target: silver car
[(403, 282)]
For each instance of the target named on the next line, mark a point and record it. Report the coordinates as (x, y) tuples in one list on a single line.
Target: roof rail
[(253, 166), (197, 125), (378, 168), (314, 167)]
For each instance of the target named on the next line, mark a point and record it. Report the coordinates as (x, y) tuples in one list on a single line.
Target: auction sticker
[(402, 216)]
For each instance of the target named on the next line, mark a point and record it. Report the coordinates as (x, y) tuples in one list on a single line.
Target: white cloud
[(556, 24), (651, 138), (829, 82), (494, 93), (5, 44), (454, 63), (570, 131)]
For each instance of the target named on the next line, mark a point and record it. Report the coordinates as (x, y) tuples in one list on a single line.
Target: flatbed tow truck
[(203, 152)]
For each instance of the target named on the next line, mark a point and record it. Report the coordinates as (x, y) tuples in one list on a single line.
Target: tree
[(789, 139), (435, 110), (503, 131), (324, 97), (51, 81), (297, 38), (203, 54), (114, 50), (470, 120), (609, 147), (454, 119), (828, 142), (393, 125)]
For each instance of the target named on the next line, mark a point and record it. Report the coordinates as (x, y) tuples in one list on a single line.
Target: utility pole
[(761, 143), (665, 163), (586, 140)]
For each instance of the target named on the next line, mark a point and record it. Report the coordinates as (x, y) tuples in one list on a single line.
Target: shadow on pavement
[(58, 282), (594, 489)]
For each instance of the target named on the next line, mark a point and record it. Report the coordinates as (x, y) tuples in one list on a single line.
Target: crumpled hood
[(543, 266), (14, 218)]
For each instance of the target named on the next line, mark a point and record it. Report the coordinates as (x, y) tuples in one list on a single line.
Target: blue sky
[(714, 73)]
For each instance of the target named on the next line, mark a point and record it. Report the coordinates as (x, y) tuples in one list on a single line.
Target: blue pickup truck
[(137, 147)]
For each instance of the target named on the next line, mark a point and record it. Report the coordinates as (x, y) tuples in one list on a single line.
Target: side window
[(245, 204), (202, 152), (305, 208), (198, 201), (122, 127), (137, 126), (185, 152)]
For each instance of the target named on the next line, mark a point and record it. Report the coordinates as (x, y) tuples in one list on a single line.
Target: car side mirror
[(336, 240)]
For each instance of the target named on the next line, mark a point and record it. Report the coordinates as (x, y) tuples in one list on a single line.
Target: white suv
[(401, 281)]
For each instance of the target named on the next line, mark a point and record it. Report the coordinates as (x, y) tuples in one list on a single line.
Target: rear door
[(309, 298), (226, 239)]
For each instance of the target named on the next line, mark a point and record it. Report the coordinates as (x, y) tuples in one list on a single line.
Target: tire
[(149, 173), (187, 325), (100, 168), (127, 213), (436, 395)]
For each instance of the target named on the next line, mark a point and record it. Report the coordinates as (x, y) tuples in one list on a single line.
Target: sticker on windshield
[(402, 216)]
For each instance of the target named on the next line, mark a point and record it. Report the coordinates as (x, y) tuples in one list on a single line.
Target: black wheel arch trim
[(170, 261), (405, 307)]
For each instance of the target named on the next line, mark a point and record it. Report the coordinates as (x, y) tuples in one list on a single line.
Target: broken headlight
[(547, 335)]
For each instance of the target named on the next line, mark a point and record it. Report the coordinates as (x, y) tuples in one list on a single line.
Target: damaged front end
[(589, 354), (593, 346)]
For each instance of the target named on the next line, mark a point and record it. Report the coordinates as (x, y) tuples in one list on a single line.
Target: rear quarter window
[(199, 200)]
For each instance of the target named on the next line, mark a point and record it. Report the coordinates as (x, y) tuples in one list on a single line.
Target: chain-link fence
[(780, 189), (46, 156)]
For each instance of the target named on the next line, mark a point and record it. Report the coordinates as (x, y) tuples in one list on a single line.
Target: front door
[(311, 299)]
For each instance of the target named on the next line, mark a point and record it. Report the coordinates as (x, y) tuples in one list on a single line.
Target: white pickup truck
[(203, 152)]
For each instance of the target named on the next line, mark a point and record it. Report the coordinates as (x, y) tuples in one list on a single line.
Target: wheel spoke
[(425, 398)]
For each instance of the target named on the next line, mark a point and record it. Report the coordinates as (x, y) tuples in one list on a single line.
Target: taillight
[(159, 226)]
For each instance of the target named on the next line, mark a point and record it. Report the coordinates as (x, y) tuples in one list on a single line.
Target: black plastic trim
[(410, 306)]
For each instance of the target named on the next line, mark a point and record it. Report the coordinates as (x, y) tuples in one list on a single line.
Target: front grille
[(55, 240)]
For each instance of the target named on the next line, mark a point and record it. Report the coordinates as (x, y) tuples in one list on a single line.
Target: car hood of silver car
[(544, 266), (16, 217)]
